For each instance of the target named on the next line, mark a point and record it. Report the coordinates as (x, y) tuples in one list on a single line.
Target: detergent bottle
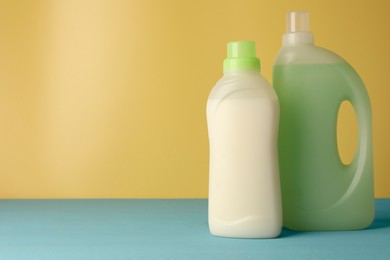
[(320, 192), (243, 118)]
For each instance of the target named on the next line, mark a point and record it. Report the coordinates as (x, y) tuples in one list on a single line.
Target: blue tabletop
[(164, 229)]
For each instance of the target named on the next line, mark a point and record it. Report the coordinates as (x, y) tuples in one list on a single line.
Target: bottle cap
[(297, 29), (241, 55), (298, 21)]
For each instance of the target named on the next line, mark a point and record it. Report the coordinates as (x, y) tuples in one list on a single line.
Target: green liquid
[(319, 192)]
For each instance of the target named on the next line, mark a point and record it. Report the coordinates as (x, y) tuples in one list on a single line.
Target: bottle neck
[(242, 72), (298, 38)]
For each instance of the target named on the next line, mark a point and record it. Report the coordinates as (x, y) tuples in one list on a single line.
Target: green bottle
[(319, 192)]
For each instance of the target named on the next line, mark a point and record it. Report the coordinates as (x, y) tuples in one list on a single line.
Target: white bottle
[(243, 120)]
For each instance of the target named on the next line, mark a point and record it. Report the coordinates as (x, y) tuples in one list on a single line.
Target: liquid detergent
[(243, 118)]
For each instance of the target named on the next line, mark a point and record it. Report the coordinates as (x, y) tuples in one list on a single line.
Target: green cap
[(241, 56)]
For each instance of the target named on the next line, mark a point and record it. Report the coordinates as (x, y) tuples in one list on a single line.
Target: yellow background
[(107, 99)]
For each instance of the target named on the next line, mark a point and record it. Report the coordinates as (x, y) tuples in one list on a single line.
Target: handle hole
[(347, 132)]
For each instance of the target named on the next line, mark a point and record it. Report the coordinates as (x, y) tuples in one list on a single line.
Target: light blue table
[(164, 229)]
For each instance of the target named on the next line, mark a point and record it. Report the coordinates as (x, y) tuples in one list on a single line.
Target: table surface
[(164, 229)]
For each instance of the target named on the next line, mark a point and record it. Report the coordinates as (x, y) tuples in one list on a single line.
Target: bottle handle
[(357, 95)]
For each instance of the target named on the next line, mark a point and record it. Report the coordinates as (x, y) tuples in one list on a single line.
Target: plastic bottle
[(243, 118), (319, 192)]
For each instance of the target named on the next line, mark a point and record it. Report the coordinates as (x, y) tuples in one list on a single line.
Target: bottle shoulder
[(306, 54), (242, 83)]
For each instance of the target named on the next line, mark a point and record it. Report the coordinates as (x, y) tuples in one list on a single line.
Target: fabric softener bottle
[(319, 192), (242, 119)]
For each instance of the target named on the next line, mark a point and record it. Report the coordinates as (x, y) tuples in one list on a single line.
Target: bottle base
[(249, 227)]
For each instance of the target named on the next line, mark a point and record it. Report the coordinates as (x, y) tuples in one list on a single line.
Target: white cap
[(298, 21)]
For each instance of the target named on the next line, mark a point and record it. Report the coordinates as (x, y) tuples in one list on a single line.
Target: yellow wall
[(107, 98)]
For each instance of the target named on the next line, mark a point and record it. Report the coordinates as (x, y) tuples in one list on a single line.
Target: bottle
[(319, 192), (243, 118)]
